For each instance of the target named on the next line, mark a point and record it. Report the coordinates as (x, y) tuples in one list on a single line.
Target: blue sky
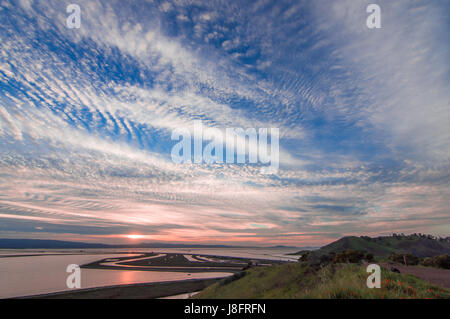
[(86, 117)]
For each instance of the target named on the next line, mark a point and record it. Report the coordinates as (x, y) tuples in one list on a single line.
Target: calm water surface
[(23, 276)]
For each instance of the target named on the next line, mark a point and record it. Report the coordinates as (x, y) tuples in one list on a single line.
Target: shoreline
[(152, 290)]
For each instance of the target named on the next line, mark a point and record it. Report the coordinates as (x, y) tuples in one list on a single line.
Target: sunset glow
[(88, 118), (133, 236)]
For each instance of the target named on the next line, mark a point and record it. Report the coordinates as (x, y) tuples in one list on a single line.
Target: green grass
[(336, 281)]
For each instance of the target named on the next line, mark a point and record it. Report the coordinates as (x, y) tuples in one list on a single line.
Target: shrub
[(326, 259), (428, 262), (369, 257), (400, 258), (442, 261), (349, 256), (305, 256)]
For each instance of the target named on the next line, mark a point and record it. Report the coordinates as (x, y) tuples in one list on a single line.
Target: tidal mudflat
[(191, 263), (31, 273)]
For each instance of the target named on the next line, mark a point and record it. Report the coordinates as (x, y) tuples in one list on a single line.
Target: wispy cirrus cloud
[(86, 116)]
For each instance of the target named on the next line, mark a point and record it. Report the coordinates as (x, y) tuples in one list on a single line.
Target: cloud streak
[(86, 116)]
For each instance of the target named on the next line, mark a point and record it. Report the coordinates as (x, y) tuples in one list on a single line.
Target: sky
[(86, 117)]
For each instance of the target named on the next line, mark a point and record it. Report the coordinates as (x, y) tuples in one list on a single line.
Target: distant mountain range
[(419, 245), (416, 244), (52, 244)]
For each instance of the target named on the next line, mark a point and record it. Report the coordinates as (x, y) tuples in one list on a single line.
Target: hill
[(301, 280), (6, 243), (416, 244), (45, 244)]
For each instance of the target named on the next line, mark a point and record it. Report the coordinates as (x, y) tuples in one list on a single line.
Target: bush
[(305, 256), (442, 261), (349, 256), (428, 262), (411, 260), (369, 257), (326, 259)]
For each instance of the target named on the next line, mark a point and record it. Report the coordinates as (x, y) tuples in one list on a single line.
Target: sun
[(134, 236)]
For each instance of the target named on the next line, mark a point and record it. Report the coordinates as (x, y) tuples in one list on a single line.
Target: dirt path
[(439, 277)]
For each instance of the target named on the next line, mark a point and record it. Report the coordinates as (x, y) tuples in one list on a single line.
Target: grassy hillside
[(300, 280), (418, 245)]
